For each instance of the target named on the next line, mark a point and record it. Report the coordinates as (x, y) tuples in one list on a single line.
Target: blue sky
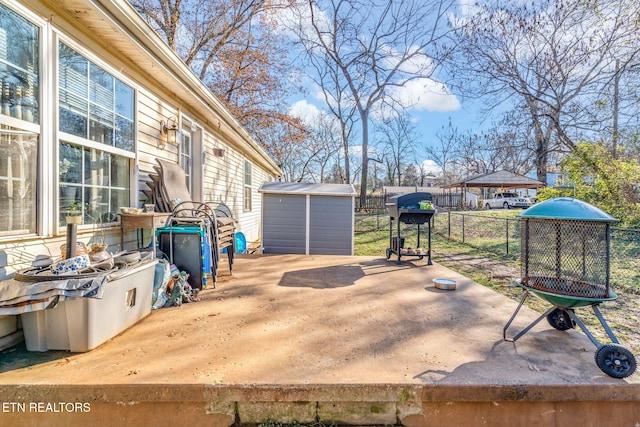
[(431, 103), (428, 117)]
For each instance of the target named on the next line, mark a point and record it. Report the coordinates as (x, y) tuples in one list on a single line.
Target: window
[(247, 185), (98, 110), (93, 183), (18, 171), (19, 112), (186, 155), (94, 104), (19, 51)]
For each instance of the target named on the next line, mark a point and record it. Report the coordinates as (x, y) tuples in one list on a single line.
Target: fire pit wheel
[(615, 361), (560, 319)]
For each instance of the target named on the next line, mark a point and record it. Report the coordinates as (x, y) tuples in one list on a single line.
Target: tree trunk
[(364, 117), (345, 146), (542, 157)]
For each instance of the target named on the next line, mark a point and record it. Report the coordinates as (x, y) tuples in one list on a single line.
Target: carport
[(499, 179)]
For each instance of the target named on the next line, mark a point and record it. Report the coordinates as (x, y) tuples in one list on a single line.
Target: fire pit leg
[(604, 323), (528, 328)]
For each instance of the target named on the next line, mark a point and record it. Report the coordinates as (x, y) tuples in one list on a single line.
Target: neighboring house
[(86, 87), (554, 178)]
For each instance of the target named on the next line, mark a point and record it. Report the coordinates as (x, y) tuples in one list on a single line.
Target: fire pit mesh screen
[(566, 257)]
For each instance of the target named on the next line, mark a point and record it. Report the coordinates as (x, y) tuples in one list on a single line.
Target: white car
[(507, 201)]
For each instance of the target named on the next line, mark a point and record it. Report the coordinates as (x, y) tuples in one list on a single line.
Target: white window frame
[(48, 174), (247, 189), (58, 38), (185, 156), (41, 132)]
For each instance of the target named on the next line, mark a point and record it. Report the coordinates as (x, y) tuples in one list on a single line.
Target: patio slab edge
[(366, 404)]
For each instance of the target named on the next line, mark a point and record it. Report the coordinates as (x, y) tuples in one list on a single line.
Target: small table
[(151, 220)]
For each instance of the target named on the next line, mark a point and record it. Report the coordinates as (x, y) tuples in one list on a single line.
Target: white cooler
[(81, 324)]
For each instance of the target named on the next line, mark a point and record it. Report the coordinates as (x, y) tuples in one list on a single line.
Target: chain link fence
[(501, 236), (366, 222), (495, 234)]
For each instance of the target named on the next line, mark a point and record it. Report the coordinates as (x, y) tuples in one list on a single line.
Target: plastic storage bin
[(81, 324)]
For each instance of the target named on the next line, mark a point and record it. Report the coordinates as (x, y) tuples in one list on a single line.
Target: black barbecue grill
[(409, 209)]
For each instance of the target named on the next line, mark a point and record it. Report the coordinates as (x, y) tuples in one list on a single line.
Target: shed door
[(330, 225), (284, 224)]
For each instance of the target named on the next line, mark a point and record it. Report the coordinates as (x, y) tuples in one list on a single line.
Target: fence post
[(449, 225), (463, 215), (507, 236)]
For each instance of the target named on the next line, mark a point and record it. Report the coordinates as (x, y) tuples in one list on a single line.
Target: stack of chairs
[(212, 222)]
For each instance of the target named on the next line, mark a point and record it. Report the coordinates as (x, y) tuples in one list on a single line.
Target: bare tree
[(199, 29), (326, 137), (398, 143), (234, 46), (292, 148), (445, 153), (326, 74), (549, 58), (621, 99), (375, 45)]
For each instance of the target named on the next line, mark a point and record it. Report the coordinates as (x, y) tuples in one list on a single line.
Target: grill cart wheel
[(560, 320), (388, 253), (615, 361)]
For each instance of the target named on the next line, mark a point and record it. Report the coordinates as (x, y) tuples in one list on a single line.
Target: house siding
[(164, 88)]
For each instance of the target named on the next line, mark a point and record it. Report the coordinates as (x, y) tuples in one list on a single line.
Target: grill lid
[(409, 200), (567, 208)]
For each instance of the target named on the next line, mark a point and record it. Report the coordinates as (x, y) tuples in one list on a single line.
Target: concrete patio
[(334, 339)]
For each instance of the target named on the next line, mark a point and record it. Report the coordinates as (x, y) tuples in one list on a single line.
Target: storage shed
[(304, 218)]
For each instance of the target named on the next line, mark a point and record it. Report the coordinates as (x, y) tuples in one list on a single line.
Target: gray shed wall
[(331, 226), (284, 224)]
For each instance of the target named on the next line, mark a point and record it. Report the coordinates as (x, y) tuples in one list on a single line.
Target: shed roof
[(305, 188), (503, 179)]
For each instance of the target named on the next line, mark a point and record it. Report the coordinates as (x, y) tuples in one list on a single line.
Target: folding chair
[(212, 221)]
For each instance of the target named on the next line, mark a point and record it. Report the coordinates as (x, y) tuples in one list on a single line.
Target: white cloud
[(306, 112), (429, 166), (426, 94), (416, 61), (422, 94)]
